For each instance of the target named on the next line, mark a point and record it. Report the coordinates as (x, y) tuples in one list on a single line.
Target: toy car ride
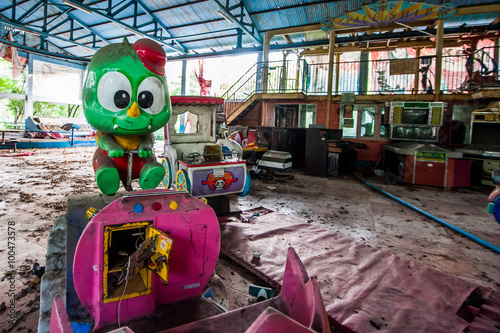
[(195, 161)]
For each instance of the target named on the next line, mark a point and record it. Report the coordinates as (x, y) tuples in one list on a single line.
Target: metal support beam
[(29, 11), (128, 27), (41, 33), (226, 10), (160, 23), (240, 38), (184, 78), (363, 73), (28, 103)]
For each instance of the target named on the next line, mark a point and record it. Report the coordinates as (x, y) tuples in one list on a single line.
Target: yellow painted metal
[(173, 205), (163, 247), (142, 281)]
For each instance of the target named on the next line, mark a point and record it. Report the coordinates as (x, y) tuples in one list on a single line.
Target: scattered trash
[(262, 293), (38, 270), (248, 219), (18, 154)]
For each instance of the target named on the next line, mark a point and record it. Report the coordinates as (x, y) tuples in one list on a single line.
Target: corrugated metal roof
[(198, 25)]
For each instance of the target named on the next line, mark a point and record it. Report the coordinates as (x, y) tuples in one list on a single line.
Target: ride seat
[(213, 153)]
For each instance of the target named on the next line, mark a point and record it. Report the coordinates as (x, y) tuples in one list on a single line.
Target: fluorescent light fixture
[(412, 28), (77, 5), (34, 33), (224, 15), (135, 32)]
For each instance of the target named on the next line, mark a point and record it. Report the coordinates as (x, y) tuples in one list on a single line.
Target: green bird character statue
[(125, 98)]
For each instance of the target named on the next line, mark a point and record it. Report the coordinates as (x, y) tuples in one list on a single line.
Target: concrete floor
[(347, 206), (34, 189)]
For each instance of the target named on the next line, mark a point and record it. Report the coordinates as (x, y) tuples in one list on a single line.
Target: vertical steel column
[(28, 102), (13, 18), (183, 78), (239, 41), (331, 54), (439, 59), (496, 52), (363, 74), (44, 28)]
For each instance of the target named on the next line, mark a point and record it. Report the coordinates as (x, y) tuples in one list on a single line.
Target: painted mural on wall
[(387, 12), (125, 98)]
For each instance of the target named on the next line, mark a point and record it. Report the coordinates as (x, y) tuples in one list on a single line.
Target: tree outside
[(13, 109)]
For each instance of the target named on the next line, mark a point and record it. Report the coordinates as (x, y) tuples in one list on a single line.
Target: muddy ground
[(33, 192)]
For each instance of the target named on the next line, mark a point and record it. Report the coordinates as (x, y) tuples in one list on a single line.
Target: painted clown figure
[(125, 98)]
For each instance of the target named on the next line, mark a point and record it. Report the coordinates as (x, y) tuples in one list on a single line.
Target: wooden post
[(265, 60), (439, 59), (416, 83), (331, 53), (283, 72), (337, 72), (263, 113)]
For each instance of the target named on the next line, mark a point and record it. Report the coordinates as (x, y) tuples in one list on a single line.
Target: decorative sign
[(403, 66), (386, 12), (218, 183), (348, 122), (431, 156), (347, 97)]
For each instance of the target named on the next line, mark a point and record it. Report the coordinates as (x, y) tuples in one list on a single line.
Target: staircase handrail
[(226, 94)]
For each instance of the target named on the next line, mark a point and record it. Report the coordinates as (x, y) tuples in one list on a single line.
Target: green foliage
[(174, 87), (13, 109)]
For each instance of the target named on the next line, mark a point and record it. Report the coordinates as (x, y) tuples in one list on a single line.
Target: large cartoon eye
[(151, 95), (114, 91)]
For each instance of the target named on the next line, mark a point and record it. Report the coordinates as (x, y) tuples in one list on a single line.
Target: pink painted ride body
[(194, 229)]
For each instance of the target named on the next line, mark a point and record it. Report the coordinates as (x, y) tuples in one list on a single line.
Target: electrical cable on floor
[(432, 217)]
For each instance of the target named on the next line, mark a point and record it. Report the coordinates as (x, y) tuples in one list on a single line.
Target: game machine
[(140, 261), (483, 147), (413, 157), (258, 156), (195, 160)]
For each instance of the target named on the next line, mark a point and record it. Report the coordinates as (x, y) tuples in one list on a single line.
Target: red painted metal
[(196, 100), (59, 322), (272, 320), (210, 164)]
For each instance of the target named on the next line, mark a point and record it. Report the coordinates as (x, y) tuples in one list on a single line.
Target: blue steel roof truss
[(189, 28), (227, 10)]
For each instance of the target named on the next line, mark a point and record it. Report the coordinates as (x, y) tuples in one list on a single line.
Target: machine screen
[(415, 116)]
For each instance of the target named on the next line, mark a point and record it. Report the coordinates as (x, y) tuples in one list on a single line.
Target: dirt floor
[(34, 190)]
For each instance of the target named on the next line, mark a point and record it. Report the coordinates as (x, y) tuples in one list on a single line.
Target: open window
[(186, 123)]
